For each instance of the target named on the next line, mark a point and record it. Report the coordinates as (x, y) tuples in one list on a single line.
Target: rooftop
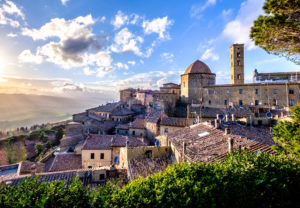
[(109, 107), (138, 123), (65, 161), (198, 67), (173, 121), (95, 141), (205, 143)]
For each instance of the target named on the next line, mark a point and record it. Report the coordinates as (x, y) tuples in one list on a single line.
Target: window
[(225, 102), (256, 102), (102, 156), (215, 92), (241, 102), (101, 176), (238, 76), (209, 102), (89, 166), (275, 91), (291, 102), (274, 102), (241, 91), (291, 91), (228, 91), (133, 132), (238, 54), (166, 130), (256, 91), (238, 62), (92, 155), (148, 153)]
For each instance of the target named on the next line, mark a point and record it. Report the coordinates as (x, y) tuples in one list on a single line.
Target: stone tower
[(237, 63), (195, 77)]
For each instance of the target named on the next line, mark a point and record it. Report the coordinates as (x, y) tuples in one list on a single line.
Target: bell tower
[(237, 63)]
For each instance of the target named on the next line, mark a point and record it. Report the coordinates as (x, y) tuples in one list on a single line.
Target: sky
[(93, 48)]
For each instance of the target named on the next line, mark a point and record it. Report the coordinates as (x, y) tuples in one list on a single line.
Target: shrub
[(242, 180)]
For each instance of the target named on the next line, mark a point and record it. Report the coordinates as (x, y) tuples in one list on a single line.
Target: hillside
[(25, 110)]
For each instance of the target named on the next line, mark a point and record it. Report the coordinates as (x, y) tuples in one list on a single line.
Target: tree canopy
[(278, 31), (287, 133)]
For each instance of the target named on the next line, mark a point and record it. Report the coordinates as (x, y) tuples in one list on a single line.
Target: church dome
[(197, 67)]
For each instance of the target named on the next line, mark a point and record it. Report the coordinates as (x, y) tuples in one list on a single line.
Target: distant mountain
[(18, 110)]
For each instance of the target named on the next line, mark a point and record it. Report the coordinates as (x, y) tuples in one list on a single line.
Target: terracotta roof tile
[(95, 141), (66, 161), (173, 121)]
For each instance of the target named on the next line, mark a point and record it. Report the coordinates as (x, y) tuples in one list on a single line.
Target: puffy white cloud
[(12, 35), (27, 56), (122, 66), (7, 10), (123, 19), (196, 10), (167, 57), (125, 41), (64, 2), (78, 46), (120, 19), (159, 26), (238, 30), (209, 54)]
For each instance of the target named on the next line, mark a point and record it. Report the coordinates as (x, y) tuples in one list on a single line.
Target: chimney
[(183, 151), (230, 144), (233, 118), (227, 131), (217, 124), (226, 118), (127, 142)]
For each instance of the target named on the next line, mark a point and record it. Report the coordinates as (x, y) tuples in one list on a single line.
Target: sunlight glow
[(2, 65)]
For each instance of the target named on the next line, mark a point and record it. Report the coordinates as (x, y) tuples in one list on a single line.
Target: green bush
[(245, 180)]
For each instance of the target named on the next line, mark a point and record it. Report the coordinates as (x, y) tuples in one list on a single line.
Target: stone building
[(198, 86), (195, 77), (127, 94), (276, 77), (137, 128), (171, 124), (104, 150)]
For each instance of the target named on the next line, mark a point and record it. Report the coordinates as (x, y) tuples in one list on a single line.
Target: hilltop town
[(147, 130)]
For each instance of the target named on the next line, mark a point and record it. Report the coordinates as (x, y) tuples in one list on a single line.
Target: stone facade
[(277, 95), (90, 161), (195, 77)]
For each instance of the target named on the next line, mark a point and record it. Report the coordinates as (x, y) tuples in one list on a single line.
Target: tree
[(58, 136), (286, 134), (39, 147), (278, 32)]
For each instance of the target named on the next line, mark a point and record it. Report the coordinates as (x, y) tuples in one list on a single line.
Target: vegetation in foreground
[(286, 134), (242, 180)]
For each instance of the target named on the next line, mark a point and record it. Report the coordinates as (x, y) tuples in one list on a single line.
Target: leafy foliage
[(278, 31), (242, 180), (287, 134)]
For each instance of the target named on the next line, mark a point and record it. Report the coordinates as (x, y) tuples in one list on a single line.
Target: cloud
[(27, 57), (125, 41), (238, 30), (87, 71), (122, 19), (209, 54), (12, 35), (64, 2), (122, 66), (7, 10), (131, 63), (78, 46), (196, 10), (169, 57), (159, 26)]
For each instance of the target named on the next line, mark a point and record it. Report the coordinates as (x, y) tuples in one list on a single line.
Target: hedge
[(242, 180)]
